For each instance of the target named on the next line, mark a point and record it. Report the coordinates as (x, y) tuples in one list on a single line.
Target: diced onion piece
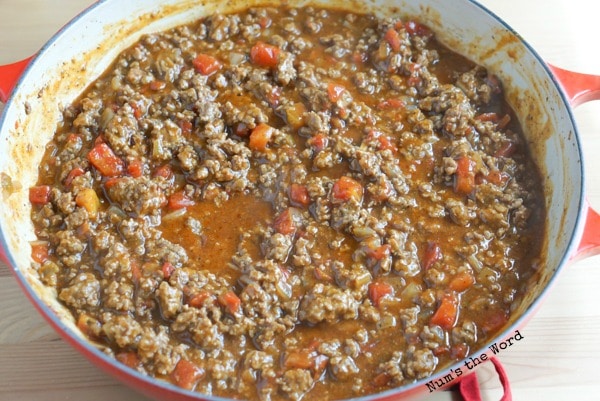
[(177, 214), (474, 262), (411, 291), (284, 289), (386, 322), (236, 58)]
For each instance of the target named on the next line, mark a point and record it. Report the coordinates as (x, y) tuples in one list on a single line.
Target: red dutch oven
[(35, 91)]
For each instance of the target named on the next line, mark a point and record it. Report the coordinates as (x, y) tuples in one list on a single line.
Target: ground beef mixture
[(286, 204)]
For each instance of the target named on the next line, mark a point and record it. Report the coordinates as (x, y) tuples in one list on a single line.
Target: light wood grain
[(556, 360)]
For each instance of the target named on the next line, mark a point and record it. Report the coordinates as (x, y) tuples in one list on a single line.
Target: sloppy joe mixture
[(289, 203)]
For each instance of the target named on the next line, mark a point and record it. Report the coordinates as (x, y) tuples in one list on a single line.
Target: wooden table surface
[(556, 360)]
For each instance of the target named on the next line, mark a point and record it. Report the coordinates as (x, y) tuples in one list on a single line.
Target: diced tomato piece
[(494, 320), (432, 254), (393, 38), (105, 160), (501, 123), (260, 137), (378, 290), (230, 301), (206, 65), (137, 110), (335, 91), (506, 150), (391, 104), (264, 55), (380, 252), (314, 345), (441, 350), (504, 121), (128, 358), (74, 173), (346, 189), (461, 282), (385, 143), (135, 168), (186, 127), (136, 271), (464, 179), (299, 195), (414, 81), (285, 223), (319, 142), (497, 177), (179, 200), (187, 374), (491, 117), (40, 251), (382, 380), (241, 130), (273, 96), (111, 182), (39, 195), (157, 85), (164, 171), (459, 351), (265, 22), (197, 300), (415, 28), (167, 270), (447, 312)]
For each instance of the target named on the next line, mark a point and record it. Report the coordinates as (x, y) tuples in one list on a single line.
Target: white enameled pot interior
[(82, 50)]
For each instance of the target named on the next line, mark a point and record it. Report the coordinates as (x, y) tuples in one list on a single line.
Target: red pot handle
[(581, 88), (468, 387), (590, 240), (9, 75), (3, 256)]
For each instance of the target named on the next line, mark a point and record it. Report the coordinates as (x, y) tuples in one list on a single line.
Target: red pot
[(542, 95)]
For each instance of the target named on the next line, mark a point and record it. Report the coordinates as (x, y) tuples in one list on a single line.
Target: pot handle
[(9, 75), (579, 88), (468, 387), (3, 257), (590, 240), (582, 88)]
